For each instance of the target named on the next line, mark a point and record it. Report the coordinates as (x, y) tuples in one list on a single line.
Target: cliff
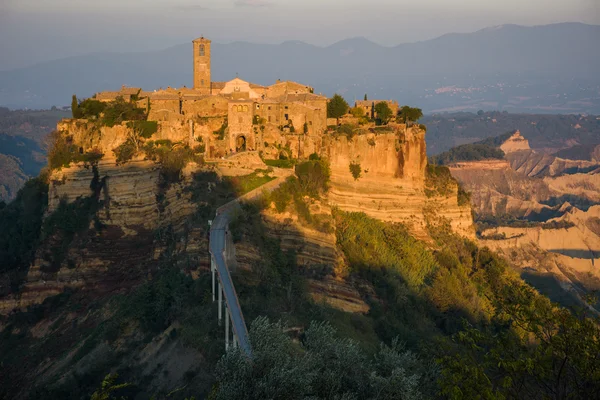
[(392, 186)]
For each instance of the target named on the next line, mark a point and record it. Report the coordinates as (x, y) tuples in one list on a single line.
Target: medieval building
[(251, 113)]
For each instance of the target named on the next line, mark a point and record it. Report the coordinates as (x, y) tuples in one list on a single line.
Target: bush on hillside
[(468, 152)]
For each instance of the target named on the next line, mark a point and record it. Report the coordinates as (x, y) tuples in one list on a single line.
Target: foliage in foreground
[(322, 366)]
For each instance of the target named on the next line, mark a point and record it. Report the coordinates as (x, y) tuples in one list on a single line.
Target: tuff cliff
[(137, 212), (393, 185)]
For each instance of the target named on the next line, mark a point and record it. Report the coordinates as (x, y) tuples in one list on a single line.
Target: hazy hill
[(544, 131), (508, 67), (23, 147)]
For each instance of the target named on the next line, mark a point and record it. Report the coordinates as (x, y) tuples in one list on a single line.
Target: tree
[(75, 107), (366, 97), (322, 366), (409, 114), (357, 112), (337, 107), (384, 112), (105, 392), (355, 170)]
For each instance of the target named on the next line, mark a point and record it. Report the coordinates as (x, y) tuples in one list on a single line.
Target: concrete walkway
[(218, 233)]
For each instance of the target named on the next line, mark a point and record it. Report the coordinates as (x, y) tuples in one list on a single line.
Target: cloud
[(252, 3)]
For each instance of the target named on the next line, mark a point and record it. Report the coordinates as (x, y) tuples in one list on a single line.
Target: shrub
[(314, 157), (145, 128), (220, 133), (125, 152), (355, 170), (313, 177), (286, 163), (439, 180), (62, 152), (119, 111), (91, 108), (463, 197)]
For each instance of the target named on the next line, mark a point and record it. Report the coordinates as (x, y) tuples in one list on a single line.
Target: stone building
[(246, 109), (368, 106)]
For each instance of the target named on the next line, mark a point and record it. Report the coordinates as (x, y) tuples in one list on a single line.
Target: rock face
[(539, 188), (132, 194), (392, 185), (515, 143)]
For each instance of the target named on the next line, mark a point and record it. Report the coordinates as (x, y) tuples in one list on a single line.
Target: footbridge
[(222, 253)]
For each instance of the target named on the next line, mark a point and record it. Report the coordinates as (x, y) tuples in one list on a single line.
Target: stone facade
[(246, 108), (368, 106)]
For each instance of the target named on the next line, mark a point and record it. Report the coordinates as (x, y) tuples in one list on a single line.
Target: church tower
[(202, 65)]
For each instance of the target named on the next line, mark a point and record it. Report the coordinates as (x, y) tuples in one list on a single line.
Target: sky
[(33, 31)]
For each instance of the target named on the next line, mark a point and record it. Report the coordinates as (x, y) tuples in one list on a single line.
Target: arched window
[(240, 108), (245, 109), (201, 50)]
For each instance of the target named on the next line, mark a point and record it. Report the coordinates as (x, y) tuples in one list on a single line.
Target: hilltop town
[(234, 116)]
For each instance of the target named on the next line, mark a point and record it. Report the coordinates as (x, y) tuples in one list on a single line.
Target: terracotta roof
[(217, 85)]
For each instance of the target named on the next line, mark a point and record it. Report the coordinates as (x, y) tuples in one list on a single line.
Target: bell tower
[(201, 48)]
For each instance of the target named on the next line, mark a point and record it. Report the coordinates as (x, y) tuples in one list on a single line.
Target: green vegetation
[(247, 183), (323, 366), (384, 112), (119, 111), (20, 229), (357, 112), (337, 107), (468, 152), (62, 152), (484, 222), (173, 157), (220, 133), (464, 197), (109, 386), (409, 114), (75, 107), (68, 220), (355, 170), (439, 181), (372, 246), (145, 129), (311, 181), (286, 163)]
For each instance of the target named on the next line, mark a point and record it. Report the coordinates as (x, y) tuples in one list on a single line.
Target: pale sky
[(32, 31)]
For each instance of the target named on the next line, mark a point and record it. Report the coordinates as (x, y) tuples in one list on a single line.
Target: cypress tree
[(75, 107)]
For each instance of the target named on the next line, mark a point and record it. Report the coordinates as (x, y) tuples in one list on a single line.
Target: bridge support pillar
[(220, 302), (213, 270), (226, 328)]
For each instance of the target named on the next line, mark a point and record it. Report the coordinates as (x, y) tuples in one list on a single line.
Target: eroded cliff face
[(136, 220), (392, 184)]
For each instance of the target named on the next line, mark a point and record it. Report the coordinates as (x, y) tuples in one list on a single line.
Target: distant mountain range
[(551, 68)]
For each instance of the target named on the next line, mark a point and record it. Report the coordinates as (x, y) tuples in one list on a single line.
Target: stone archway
[(240, 143)]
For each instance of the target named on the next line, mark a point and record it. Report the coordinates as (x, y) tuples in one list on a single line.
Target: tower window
[(202, 82), (286, 117), (201, 50)]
